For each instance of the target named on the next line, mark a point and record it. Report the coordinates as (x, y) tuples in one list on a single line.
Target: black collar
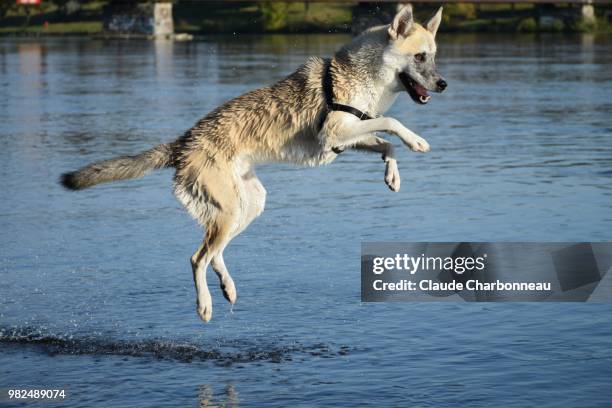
[(332, 106), (329, 96)]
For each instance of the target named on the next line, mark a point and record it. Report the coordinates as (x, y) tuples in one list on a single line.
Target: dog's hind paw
[(205, 312), (229, 290)]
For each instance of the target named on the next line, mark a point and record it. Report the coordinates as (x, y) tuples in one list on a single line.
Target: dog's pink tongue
[(421, 90)]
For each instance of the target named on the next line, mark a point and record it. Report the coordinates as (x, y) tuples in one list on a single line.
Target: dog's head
[(411, 52)]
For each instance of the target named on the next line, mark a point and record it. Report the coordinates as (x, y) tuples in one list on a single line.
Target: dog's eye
[(420, 57)]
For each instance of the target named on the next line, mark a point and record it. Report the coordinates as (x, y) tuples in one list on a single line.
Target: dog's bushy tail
[(120, 168)]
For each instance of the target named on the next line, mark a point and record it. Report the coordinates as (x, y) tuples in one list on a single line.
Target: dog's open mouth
[(417, 92)]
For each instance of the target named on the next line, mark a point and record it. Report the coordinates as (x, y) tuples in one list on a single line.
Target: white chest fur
[(376, 97)]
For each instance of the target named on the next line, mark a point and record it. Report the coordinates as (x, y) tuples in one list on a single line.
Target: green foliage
[(557, 25), (460, 10), (527, 25), (584, 27), (274, 15), (92, 27)]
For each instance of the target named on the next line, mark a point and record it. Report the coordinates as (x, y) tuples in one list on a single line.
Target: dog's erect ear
[(402, 23), (434, 22)]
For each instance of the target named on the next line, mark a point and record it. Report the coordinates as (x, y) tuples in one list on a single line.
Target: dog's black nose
[(441, 85)]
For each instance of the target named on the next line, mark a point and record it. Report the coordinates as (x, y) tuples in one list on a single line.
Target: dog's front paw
[(418, 144), (392, 176)]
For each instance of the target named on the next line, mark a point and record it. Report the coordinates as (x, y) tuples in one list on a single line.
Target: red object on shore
[(33, 2)]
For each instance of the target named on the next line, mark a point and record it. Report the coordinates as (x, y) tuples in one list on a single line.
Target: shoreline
[(303, 18), (203, 36), (32, 32)]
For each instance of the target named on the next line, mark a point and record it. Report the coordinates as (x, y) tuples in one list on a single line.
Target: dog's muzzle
[(418, 92)]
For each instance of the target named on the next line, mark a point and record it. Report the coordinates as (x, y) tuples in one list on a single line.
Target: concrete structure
[(163, 22), (588, 13)]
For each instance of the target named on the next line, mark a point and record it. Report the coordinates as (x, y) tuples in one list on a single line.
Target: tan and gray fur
[(286, 122)]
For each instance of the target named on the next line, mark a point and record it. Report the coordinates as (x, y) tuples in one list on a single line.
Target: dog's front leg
[(376, 144), (349, 130)]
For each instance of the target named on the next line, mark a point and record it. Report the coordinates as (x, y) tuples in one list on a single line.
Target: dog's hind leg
[(217, 236), (227, 283), (204, 301), (253, 198)]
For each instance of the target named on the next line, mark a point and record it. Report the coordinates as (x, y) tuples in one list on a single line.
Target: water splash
[(224, 353)]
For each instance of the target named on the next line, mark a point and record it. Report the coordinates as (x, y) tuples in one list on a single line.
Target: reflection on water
[(163, 59), (228, 398), (97, 290)]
